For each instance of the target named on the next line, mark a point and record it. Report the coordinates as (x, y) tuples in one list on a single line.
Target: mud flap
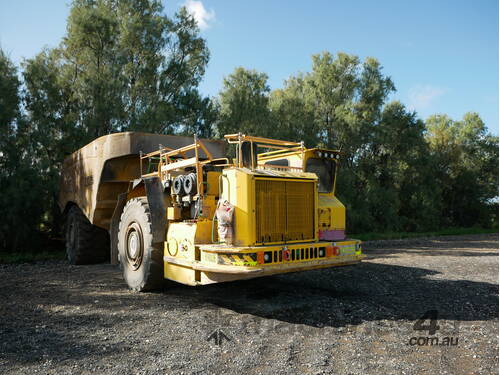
[(113, 231), (156, 202)]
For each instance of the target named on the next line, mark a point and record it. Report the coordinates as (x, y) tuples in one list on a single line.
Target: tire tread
[(153, 278), (92, 242)]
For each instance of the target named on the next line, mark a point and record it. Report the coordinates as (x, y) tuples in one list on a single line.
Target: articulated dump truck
[(176, 208)]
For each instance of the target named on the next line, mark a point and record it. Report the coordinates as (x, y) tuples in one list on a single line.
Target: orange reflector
[(332, 251), (260, 257), (329, 251)]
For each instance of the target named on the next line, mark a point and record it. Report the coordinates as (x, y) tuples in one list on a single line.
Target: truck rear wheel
[(85, 243), (141, 260)]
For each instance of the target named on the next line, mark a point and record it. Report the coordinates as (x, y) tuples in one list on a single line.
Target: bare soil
[(63, 319)]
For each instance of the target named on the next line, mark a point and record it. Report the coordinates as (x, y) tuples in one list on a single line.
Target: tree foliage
[(244, 103), (466, 157), (123, 65), (21, 201)]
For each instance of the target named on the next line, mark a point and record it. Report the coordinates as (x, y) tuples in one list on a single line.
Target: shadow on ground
[(351, 295)]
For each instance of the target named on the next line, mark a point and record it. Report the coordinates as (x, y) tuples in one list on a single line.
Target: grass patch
[(401, 235), (15, 258)]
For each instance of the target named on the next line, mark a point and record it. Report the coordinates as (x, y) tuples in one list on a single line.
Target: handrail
[(277, 152), (166, 164), (236, 138), (260, 142), (157, 152)]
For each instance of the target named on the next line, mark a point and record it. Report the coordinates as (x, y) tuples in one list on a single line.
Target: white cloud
[(423, 96), (202, 16)]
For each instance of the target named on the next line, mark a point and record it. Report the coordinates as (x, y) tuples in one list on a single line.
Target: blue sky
[(442, 55)]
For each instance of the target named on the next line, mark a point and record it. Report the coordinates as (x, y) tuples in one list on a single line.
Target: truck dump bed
[(93, 176)]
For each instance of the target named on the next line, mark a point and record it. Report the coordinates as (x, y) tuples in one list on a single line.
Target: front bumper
[(247, 262)]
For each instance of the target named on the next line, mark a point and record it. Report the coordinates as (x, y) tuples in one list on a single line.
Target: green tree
[(292, 117), (330, 91), (466, 157), (243, 102), (201, 116), (20, 201), (123, 65), (9, 97)]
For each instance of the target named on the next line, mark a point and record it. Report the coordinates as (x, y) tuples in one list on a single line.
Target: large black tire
[(141, 260), (85, 243)]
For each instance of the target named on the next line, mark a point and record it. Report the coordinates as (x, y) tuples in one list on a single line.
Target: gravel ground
[(62, 319)]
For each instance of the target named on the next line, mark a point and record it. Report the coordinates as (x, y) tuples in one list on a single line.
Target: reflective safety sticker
[(347, 249), (238, 259)]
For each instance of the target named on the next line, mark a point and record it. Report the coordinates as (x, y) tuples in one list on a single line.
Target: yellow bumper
[(218, 263)]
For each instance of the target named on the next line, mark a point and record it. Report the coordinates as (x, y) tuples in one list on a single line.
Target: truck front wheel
[(141, 260)]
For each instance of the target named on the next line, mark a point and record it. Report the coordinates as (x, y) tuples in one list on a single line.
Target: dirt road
[(61, 319)]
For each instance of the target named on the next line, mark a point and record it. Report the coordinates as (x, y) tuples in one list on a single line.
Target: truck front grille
[(294, 255), (284, 211)]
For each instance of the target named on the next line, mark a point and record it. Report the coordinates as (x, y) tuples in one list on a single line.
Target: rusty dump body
[(94, 176)]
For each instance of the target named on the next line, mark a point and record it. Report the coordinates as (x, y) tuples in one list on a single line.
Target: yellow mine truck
[(167, 207)]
